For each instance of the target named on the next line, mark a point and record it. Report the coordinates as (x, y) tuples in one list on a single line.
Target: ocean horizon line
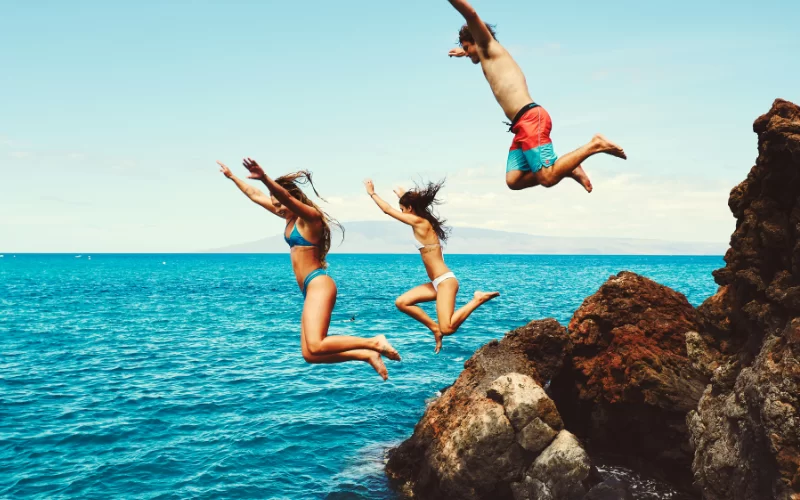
[(89, 254)]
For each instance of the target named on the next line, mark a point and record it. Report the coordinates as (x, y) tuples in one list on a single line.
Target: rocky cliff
[(746, 429)]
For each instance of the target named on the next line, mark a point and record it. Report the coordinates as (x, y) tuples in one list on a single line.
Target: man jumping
[(531, 160)]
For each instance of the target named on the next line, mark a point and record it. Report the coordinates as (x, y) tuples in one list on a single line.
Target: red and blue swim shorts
[(532, 149)]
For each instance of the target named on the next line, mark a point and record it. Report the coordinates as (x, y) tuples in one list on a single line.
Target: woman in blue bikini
[(309, 237), (429, 233)]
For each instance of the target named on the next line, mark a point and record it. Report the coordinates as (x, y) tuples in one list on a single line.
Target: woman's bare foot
[(437, 335), (581, 178), (386, 349), (376, 362), (608, 147), (484, 297)]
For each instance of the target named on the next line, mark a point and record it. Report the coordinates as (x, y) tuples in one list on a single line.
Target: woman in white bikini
[(309, 237), (429, 233)]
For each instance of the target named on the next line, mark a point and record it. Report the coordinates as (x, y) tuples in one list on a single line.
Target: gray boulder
[(495, 433)]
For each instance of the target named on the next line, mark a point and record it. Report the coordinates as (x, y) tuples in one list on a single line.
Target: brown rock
[(746, 430), (631, 382), (485, 432)]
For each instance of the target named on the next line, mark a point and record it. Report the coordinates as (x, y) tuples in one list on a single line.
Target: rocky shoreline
[(704, 398)]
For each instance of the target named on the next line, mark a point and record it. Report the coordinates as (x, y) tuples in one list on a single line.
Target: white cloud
[(622, 205), (142, 215), (27, 220), (9, 142)]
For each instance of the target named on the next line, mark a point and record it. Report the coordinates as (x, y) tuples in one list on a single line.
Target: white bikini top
[(420, 246)]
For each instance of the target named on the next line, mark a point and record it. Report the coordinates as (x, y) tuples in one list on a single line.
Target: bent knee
[(547, 179), (514, 181), (314, 349), (447, 329), (401, 303), (308, 357)]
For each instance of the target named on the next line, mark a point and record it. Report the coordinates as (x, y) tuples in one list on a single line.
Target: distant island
[(387, 237)]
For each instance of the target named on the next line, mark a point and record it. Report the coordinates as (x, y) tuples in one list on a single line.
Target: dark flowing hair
[(291, 182), (421, 199), (464, 34)]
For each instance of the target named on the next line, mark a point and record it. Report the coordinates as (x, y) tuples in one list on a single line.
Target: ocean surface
[(180, 376)]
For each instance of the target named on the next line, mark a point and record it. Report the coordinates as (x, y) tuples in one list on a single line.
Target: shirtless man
[(531, 160)]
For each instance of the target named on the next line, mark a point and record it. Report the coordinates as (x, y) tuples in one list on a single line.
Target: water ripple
[(120, 377)]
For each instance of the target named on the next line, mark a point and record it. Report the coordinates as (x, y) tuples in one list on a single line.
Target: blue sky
[(113, 114)]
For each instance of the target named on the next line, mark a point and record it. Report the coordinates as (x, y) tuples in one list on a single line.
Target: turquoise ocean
[(180, 376)]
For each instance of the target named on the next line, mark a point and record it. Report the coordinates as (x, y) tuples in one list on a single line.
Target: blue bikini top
[(296, 239)]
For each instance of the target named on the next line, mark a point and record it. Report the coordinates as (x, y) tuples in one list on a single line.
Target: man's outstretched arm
[(477, 27)]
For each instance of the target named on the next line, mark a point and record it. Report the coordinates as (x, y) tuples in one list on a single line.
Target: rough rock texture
[(531, 412), (631, 382), (746, 430), (560, 472), (495, 427)]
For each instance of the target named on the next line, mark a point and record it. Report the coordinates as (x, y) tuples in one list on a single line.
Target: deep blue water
[(180, 376)]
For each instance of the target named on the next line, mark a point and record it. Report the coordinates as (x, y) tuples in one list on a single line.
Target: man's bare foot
[(484, 297), (581, 178), (376, 362), (609, 147), (386, 349)]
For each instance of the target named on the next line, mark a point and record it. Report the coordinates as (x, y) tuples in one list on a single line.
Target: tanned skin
[(511, 91)]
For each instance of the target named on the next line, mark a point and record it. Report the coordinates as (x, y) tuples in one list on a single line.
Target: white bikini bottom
[(445, 276)]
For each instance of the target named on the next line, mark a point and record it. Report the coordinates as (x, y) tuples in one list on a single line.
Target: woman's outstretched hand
[(225, 170), (370, 186), (256, 172), (457, 53), (399, 191)]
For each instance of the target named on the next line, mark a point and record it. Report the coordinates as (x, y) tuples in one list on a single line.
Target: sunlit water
[(180, 376)]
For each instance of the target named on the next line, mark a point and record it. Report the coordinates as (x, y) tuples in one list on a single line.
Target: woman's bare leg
[(478, 299), (406, 303), (317, 309), (450, 319), (373, 358)]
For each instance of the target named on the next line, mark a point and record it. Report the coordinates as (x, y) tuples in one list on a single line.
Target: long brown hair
[(421, 199), (291, 182)]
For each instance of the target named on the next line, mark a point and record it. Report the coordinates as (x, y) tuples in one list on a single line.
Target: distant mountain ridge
[(388, 237)]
